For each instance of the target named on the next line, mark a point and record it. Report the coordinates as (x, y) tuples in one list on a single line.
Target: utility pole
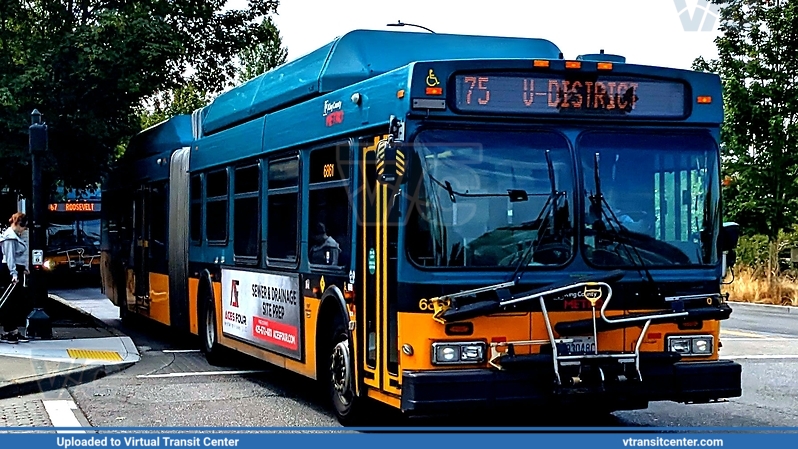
[(38, 325)]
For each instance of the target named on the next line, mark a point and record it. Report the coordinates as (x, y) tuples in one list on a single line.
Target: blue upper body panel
[(168, 135), (354, 57), (157, 142), (287, 107)]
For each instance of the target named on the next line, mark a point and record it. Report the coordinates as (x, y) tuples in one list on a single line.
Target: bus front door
[(378, 270)]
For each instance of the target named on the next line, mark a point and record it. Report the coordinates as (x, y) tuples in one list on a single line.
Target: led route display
[(558, 95)]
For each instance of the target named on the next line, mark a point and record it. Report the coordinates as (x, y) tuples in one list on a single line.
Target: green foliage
[(758, 65), (264, 56), (753, 251), (87, 65), (254, 60), (183, 100)]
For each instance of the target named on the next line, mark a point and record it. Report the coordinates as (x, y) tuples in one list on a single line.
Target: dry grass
[(751, 285)]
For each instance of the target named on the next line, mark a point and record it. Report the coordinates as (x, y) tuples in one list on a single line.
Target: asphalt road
[(174, 386)]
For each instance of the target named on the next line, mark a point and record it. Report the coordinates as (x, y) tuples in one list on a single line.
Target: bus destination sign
[(572, 95), (74, 207)]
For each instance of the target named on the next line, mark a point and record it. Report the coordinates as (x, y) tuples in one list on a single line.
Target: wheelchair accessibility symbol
[(432, 80)]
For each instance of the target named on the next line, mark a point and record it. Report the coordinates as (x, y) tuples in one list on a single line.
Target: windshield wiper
[(549, 210), (603, 210), (515, 195)]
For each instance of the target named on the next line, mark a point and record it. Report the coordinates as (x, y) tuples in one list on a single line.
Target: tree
[(87, 65), (183, 100), (758, 66), (254, 60), (266, 55)]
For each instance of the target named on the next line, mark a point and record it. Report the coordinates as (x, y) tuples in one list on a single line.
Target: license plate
[(577, 346)]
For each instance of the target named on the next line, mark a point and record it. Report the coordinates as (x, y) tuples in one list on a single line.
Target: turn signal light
[(704, 100), (434, 91)]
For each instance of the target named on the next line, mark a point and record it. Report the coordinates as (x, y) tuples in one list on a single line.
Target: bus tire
[(207, 331), (339, 378)]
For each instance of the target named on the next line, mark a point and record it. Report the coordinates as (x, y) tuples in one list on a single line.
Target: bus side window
[(196, 209), (329, 206), (216, 215), (283, 214), (247, 213)]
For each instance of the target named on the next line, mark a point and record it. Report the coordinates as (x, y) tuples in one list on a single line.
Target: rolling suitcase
[(6, 295)]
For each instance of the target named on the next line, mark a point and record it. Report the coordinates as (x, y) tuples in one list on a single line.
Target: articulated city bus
[(441, 221)]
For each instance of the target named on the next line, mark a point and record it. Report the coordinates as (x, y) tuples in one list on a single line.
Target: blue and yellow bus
[(441, 221)]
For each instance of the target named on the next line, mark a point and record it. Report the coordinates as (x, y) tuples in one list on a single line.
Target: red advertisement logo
[(279, 334), (234, 293)]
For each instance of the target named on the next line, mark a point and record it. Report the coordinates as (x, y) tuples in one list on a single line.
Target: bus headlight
[(702, 345), (451, 353), (49, 264), (691, 345)]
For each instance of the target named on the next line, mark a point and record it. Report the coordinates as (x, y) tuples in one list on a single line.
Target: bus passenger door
[(141, 287), (378, 276)]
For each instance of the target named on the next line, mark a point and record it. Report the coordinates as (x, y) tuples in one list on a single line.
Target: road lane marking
[(740, 334), (62, 415), (758, 339), (201, 373), (761, 357), (179, 351)]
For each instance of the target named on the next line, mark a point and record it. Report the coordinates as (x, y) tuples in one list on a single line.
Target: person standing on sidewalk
[(12, 272)]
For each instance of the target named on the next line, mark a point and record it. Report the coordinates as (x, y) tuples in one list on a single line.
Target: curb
[(63, 379), (786, 309), (72, 376), (98, 322)]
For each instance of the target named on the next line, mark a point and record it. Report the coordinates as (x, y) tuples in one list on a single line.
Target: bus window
[(216, 218), (484, 227), (328, 227), (283, 214), (247, 212), (196, 208), (159, 205), (660, 194)]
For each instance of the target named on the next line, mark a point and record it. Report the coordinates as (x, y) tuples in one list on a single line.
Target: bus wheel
[(210, 345), (340, 374)]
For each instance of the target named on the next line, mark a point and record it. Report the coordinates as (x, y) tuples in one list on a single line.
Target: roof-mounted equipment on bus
[(602, 57)]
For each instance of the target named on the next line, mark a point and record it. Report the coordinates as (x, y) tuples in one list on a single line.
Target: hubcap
[(210, 330), (340, 370)]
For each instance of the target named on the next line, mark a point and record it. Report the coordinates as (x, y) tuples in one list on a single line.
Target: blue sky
[(645, 31)]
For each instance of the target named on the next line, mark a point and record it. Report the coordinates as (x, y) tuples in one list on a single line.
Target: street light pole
[(38, 325), (399, 23)]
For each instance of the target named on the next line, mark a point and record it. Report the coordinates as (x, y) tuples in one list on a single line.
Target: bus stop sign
[(38, 257)]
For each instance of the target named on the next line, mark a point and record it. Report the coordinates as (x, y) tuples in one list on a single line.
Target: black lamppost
[(38, 325), (399, 23)]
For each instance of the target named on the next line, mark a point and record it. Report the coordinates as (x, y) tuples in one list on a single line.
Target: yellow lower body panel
[(306, 368), (159, 298)]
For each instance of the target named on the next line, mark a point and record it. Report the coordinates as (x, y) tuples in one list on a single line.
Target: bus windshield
[(64, 234), (478, 199), (660, 196)]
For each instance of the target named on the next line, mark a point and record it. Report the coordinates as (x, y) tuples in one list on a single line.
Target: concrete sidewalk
[(83, 348)]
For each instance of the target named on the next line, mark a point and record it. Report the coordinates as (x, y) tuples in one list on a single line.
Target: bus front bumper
[(425, 392)]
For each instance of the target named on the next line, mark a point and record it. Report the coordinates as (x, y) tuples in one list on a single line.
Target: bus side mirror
[(729, 236), (391, 154)]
